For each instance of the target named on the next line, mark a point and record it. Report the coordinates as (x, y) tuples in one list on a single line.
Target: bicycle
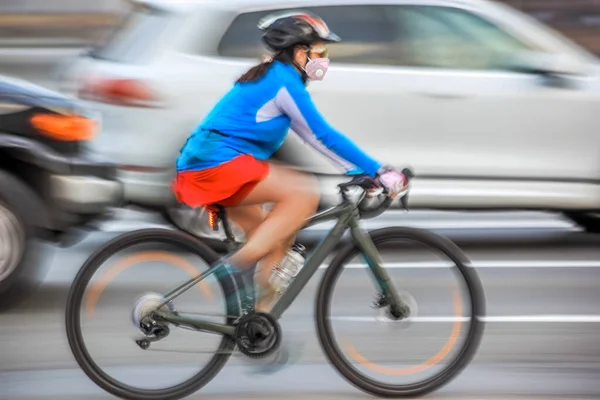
[(157, 319)]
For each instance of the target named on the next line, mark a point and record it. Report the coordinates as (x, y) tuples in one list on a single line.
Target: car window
[(367, 34), (137, 38), (446, 37)]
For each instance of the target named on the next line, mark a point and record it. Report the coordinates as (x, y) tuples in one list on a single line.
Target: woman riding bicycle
[(224, 160)]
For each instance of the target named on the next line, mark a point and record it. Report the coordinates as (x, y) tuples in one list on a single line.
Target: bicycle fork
[(388, 295)]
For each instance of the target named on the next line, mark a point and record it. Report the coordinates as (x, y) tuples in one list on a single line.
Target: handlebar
[(366, 182)]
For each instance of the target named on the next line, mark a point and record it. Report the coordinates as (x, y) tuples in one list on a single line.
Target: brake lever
[(404, 201), (409, 174)]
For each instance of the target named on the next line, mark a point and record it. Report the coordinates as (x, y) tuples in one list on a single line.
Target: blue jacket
[(254, 118)]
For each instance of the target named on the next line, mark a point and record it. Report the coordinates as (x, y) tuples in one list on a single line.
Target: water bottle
[(290, 266)]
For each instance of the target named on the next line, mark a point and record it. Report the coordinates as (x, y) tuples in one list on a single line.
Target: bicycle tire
[(325, 334), (75, 297)]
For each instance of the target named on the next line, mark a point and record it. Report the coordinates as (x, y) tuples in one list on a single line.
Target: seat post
[(222, 215)]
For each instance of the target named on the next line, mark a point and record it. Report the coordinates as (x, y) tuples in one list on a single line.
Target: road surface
[(541, 341)]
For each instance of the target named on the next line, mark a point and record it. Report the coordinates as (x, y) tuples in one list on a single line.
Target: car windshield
[(136, 39)]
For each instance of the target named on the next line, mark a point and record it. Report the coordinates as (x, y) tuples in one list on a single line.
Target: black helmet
[(283, 30)]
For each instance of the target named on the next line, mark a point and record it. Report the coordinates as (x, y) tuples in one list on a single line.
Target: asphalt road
[(542, 286)]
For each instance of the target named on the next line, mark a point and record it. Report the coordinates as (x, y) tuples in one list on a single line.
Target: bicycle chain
[(192, 351), (234, 351)]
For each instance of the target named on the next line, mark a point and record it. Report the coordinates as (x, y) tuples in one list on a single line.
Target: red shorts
[(227, 184)]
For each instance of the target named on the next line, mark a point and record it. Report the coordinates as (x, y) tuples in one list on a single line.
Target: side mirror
[(554, 70), (550, 65)]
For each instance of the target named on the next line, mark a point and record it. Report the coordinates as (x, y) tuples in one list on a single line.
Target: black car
[(50, 183)]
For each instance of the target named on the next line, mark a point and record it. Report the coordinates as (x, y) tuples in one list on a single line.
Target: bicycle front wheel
[(400, 369), (146, 366)]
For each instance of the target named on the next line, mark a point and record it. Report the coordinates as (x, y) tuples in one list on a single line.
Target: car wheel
[(588, 221), (195, 222), (20, 255)]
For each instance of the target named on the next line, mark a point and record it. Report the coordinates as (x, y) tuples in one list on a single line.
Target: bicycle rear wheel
[(356, 367), (75, 301)]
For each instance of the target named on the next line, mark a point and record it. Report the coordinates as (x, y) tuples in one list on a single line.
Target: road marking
[(57, 275), (503, 319), (462, 224), (485, 264), (126, 226)]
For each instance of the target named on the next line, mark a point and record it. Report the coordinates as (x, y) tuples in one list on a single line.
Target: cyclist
[(224, 160)]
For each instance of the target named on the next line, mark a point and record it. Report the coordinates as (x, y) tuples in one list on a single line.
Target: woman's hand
[(392, 180)]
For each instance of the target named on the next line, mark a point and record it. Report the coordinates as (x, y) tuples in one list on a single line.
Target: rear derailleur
[(153, 332)]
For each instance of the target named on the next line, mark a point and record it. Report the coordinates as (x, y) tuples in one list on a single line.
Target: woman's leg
[(248, 218), (295, 196)]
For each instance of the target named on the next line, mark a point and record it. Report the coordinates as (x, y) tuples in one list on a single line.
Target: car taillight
[(122, 92), (64, 127)]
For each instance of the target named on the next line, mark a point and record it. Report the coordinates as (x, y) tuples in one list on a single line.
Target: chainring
[(258, 335)]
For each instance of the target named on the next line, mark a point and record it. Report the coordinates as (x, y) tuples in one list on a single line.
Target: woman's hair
[(259, 70)]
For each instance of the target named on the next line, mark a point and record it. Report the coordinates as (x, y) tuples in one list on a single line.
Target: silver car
[(492, 109)]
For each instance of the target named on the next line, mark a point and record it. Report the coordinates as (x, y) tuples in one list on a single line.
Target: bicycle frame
[(347, 216)]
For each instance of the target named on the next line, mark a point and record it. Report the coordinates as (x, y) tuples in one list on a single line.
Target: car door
[(445, 100), (497, 122)]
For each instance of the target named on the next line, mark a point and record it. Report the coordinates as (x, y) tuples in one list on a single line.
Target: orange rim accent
[(91, 299), (456, 328), (66, 128)]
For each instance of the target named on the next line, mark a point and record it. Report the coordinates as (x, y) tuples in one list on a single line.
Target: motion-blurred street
[(540, 272), (541, 276)]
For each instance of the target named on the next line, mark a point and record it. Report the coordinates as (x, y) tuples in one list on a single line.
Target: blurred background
[(493, 103)]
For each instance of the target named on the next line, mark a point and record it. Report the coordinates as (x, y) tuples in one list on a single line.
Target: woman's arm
[(294, 100)]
